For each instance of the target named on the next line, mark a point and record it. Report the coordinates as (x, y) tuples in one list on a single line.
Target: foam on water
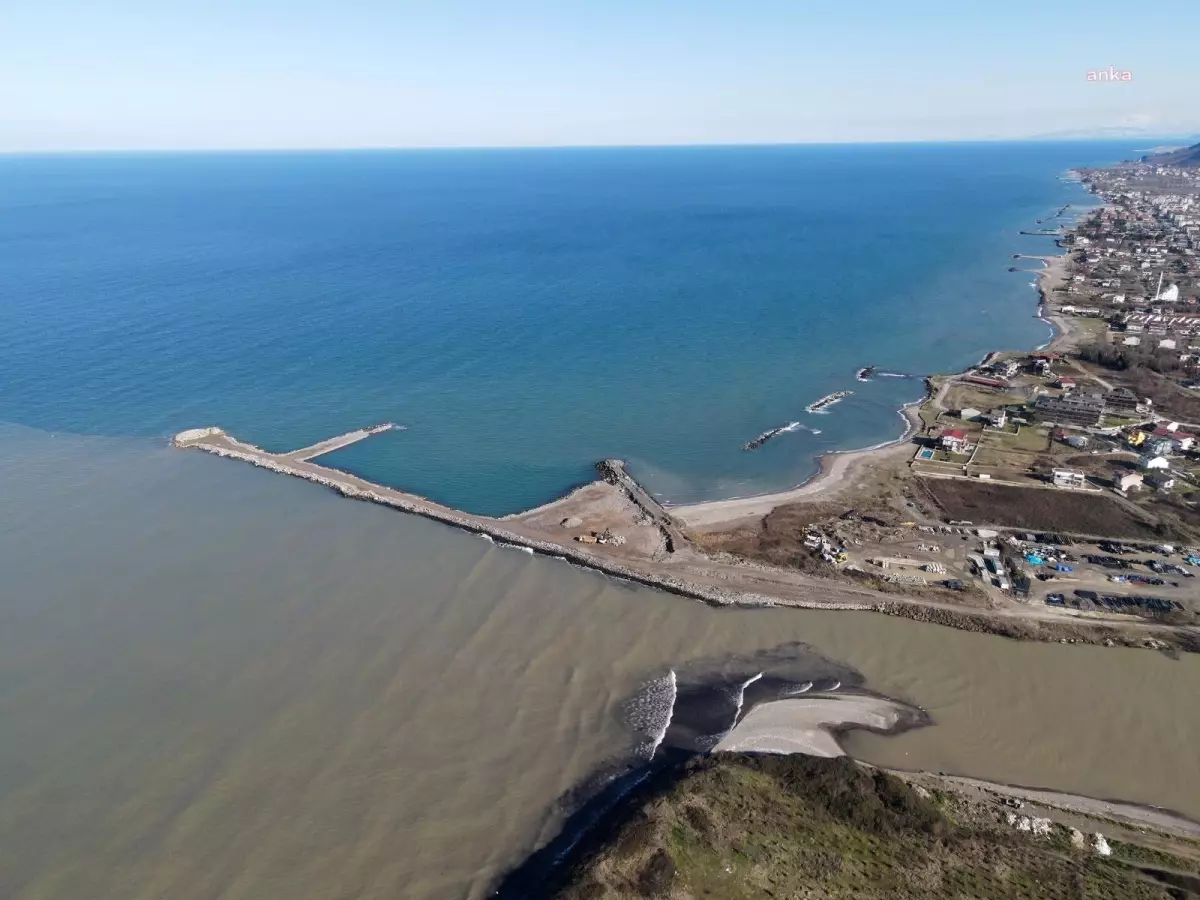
[(741, 696), (650, 712)]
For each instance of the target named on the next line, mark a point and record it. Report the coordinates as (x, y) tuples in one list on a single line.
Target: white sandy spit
[(807, 724)]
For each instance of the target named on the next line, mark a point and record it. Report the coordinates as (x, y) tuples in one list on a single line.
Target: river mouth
[(709, 706), (208, 663)]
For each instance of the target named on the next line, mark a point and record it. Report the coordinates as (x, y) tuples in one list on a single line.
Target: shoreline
[(615, 527), (813, 724), (833, 466), (601, 822), (651, 551)]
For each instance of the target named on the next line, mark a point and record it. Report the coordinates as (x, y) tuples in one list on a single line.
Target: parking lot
[(1136, 579)]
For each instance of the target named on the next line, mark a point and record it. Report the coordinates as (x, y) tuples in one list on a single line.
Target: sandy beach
[(836, 469), (810, 724), (840, 467)]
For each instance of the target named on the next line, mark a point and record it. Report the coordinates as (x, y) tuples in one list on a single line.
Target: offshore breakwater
[(298, 464)]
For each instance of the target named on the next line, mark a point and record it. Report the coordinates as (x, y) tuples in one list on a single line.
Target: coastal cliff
[(740, 826)]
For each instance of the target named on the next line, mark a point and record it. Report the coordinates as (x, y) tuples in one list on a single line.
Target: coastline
[(812, 724), (615, 527), (836, 466), (620, 818), (653, 552)]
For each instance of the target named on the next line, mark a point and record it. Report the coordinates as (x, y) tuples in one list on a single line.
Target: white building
[(1129, 481), (1069, 478)]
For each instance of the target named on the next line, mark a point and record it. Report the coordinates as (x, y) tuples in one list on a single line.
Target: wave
[(510, 546), (741, 697), (799, 689), (651, 710), (827, 401)]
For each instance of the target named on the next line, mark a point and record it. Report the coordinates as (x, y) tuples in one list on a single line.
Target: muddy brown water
[(215, 681)]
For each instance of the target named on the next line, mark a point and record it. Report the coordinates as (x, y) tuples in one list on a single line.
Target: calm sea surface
[(525, 312), (217, 682)]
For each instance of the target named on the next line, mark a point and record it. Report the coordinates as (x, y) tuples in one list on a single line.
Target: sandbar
[(810, 725)]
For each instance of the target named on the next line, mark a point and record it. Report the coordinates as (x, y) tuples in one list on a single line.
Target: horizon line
[(418, 148)]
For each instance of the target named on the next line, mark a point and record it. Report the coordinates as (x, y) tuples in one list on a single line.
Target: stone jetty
[(511, 530)]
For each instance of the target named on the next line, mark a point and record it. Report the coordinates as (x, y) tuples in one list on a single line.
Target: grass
[(737, 827), (1150, 856), (1034, 440)]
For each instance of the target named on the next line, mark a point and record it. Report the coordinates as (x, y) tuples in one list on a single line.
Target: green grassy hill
[(736, 827)]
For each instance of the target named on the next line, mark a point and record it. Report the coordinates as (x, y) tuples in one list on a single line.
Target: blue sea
[(524, 312)]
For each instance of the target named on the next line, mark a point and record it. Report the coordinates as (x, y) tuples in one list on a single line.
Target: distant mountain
[(1187, 156)]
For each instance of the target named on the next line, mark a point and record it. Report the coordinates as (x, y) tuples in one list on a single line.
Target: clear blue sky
[(80, 74)]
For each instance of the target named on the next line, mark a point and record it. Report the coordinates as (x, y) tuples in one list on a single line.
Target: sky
[(259, 74)]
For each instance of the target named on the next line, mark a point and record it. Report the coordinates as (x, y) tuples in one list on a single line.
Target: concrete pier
[(337, 443)]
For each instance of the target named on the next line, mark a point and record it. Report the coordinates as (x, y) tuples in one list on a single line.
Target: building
[(1161, 482), (1067, 384), (955, 440), (997, 418), (1122, 401), (1159, 446), (1000, 383), (1151, 462), (1128, 481), (970, 414), (1073, 409), (1182, 439), (1068, 478)]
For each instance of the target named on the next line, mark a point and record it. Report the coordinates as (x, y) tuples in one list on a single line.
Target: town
[(1068, 476)]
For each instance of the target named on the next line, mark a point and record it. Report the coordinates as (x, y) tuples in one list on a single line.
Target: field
[(737, 827), (1038, 509)]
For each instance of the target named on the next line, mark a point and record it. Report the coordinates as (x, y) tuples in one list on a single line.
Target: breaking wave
[(650, 712)]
